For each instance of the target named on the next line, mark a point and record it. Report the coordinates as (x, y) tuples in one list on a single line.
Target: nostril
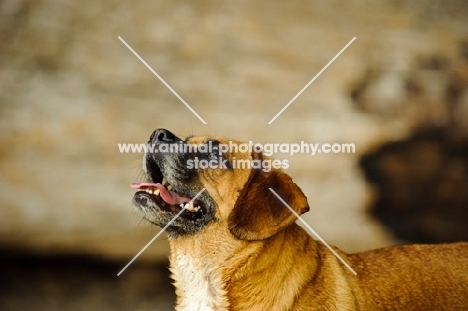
[(162, 135)]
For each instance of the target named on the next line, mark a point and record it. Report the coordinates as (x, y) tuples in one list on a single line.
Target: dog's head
[(236, 188)]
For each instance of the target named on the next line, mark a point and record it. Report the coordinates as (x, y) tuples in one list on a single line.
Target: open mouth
[(166, 197)]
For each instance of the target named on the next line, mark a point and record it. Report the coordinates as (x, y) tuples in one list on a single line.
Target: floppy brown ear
[(258, 213)]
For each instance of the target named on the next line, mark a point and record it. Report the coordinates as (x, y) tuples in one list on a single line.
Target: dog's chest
[(199, 284)]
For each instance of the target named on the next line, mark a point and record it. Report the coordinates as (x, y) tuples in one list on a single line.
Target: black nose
[(162, 135)]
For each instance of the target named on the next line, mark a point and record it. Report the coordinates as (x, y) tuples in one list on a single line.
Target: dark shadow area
[(422, 185), (81, 282), (421, 180)]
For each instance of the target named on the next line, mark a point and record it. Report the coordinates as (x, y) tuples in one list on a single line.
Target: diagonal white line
[(159, 233), (162, 80), (310, 82), (313, 231)]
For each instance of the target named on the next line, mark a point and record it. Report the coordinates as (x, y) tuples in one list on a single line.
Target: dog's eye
[(213, 155)]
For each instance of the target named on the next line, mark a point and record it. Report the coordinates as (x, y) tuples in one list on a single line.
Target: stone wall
[(71, 91)]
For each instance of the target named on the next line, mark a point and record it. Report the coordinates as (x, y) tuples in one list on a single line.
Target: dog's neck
[(198, 263), (208, 268)]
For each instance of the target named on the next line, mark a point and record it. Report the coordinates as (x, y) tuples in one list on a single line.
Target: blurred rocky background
[(70, 91)]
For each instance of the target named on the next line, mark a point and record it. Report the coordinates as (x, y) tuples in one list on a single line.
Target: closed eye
[(213, 155)]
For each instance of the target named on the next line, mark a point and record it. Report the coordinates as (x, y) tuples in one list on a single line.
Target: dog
[(236, 246)]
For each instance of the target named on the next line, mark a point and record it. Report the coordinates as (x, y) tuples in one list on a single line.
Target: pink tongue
[(170, 197)]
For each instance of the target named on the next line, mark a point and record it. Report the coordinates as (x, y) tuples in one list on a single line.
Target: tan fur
[(256, 258)]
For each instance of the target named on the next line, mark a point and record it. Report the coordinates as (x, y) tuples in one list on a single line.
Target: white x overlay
[(162, 80), (271, 121), (159, 233), (310, 82), (313, 231)]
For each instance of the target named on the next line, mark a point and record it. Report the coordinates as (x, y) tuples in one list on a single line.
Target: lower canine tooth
[(157, 191), (170, 187), (189, 206), (164, 181)]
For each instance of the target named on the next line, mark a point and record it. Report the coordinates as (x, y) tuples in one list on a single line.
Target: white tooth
[(181, 205), (197, 208), (156, 192), (169, 187), (164, 181), (189, 206), (147, 190)]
